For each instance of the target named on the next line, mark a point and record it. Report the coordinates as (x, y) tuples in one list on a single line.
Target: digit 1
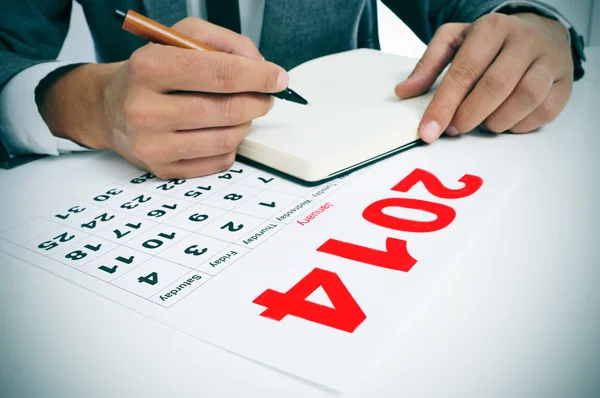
[(119, 234), (109, 270), (169, 236), (346, 315), (93, 248), (272, 204), (125, 260), (171, 207), (134, 226), (396, 256)]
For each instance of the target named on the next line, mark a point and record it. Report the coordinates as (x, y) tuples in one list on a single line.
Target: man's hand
[(507, 73), (174, 112)]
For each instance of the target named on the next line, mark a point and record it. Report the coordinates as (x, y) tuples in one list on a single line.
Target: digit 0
[(375, 215)]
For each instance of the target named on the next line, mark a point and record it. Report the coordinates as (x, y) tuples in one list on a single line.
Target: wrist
[(72, 104), (544, 21)]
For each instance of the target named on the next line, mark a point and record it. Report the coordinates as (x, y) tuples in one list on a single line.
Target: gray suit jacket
[(294, 31)]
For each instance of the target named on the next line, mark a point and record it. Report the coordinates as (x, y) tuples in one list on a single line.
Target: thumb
[(219, 38), (437, 56)]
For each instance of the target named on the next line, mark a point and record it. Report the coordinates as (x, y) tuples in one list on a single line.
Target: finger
[(548, 110), (219, 38), (529, 93), (472, 59), (168, 68), (194, 111), (168, 147), (193, 168), (495, 86), (207, 142), (437, 56)]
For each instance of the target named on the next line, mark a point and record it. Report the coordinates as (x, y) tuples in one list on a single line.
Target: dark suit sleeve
[(31, 32), (424, 16)]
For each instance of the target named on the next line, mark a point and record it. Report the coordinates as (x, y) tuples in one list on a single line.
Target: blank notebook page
[(353, 117)]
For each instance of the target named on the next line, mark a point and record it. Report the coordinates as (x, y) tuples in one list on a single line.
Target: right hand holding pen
[(182, 113)]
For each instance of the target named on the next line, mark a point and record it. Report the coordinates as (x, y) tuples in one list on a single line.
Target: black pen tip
[(297, 98), (290, 95), (121, 14)]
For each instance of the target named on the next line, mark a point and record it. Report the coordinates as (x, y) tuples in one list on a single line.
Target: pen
[(153, 31)]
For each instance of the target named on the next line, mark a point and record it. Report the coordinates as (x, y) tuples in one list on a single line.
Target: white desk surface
[(517, 317)]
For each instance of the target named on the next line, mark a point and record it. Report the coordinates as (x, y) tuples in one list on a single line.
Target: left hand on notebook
[(508, 73)]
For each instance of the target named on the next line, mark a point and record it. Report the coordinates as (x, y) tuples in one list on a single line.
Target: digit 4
[(346, 315), (151, 278)]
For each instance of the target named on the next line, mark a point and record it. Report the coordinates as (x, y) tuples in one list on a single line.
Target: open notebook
[(354, 117)]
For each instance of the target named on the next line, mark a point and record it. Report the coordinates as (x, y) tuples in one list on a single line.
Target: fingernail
[(431, 131), (282, 81), (452, 131)]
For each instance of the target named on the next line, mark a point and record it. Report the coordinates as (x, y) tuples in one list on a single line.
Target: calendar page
[(313, 282)]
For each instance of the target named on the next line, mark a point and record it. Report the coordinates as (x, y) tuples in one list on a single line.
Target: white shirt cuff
[(24, 130), (543, 10)]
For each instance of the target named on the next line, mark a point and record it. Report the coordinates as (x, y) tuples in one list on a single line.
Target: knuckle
[(246, 43), (443, 29), (495, 20), (534, 39), (463, 74), (494, 125), (143, 150), (142, 63), (461, 121), (447, 28), (549, 110), (534, 90), (269, 78), (228, 141), (269, 103), (532, 33), (233, 110), (136, 116), (523, 127), (440, 107), (227, 161), (497, 83), (186, 24), (227, 73), (164, 173)]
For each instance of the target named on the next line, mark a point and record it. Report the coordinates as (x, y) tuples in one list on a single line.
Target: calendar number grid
[(160, 240)]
